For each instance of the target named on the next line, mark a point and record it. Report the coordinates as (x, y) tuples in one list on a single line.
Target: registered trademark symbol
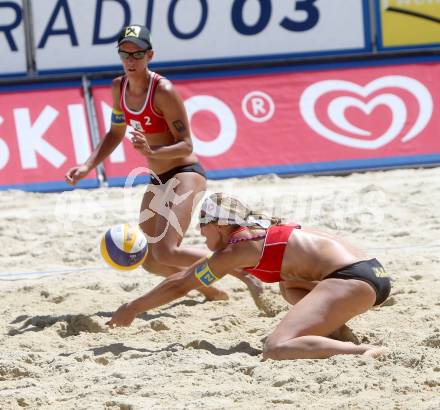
[(258, 106)]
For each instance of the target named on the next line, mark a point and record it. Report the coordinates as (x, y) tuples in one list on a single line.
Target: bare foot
[(375, 351), (345, 334), (212, 294)]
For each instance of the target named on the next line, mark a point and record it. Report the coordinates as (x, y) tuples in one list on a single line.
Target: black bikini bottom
[(166, 176), (370, 271)]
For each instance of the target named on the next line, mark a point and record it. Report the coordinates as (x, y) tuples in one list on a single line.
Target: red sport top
[(147, 120), (268, 269)]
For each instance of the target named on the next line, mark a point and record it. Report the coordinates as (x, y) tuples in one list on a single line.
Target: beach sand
[(56, 352)]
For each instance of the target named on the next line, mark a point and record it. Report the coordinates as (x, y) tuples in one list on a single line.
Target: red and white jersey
[(146, 120)]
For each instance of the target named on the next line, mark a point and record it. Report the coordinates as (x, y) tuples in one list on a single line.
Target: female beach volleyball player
[(152, 107), (326, 280)]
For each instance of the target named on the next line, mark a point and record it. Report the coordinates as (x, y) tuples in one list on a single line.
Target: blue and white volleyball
[(124, 247)]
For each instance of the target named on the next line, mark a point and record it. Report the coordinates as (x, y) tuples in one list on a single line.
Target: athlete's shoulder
[(165, 95), (164, 85), (116, 90), (116, 82)]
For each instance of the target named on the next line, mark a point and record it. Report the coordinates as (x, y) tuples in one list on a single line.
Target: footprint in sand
[(55, 299), (128, 287), (432, 341), (59, 299), (158, 325), (94, 286), (241, 347), (13, 371), (67, 325), (81, 323)]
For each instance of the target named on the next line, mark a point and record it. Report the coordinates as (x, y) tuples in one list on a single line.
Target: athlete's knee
[(278, 348), (165, 254), (272, 349), (271, 352), (294, 348)]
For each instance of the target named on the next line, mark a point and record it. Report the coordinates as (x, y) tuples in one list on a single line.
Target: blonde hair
[(227, 210)]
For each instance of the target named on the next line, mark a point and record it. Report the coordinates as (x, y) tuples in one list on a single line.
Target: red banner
[(42, 134), (283, 122), (296, 122)]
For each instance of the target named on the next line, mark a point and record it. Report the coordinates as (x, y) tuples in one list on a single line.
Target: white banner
[(81, 34), (255, 29), (12, 40)]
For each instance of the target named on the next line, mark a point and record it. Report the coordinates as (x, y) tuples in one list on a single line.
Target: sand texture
[(56, 352)]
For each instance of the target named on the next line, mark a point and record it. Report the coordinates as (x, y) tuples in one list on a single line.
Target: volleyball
[(124, 247)]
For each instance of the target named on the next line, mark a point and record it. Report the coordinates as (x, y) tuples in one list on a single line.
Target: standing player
[(150, 104)]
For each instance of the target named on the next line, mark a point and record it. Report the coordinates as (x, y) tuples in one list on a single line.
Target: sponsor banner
[(408, 23), (12, 39), (82, 34), (42, 134), (298, 122)]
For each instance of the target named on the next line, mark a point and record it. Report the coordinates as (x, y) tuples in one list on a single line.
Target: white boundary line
[(5, 276)]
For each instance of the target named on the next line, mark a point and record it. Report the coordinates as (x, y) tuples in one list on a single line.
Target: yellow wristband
[(118, 117), (204, 274)]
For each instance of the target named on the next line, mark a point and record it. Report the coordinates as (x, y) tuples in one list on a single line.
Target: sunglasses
[(137, 55)]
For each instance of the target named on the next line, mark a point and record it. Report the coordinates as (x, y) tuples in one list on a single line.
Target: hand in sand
[(375, 351), (123, 317)]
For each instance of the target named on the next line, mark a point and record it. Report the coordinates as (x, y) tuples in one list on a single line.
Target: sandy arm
[(204, 273)]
